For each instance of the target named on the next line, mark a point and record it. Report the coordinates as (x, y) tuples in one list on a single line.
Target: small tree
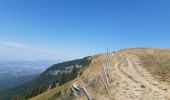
[(63, 78), (15, 98), (53, 85)]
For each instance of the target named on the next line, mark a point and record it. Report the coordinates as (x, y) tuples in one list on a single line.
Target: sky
[(71, 29)]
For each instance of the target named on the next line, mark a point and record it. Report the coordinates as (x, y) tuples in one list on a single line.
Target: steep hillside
[(133, 74), (57, 74)]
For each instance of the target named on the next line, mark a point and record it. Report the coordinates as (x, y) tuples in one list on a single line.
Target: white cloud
[(14, 44)]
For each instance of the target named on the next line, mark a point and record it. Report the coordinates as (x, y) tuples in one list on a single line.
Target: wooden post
[(105, 73), (104, 83), (86, 93), (108, 67)]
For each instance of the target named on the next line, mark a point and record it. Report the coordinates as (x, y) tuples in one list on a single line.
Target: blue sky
[(69, 29)]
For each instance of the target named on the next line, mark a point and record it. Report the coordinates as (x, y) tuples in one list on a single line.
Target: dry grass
[(157, 65), (156, 61), (94, 87)]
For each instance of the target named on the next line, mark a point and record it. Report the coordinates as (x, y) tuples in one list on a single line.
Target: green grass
[(50, 93)]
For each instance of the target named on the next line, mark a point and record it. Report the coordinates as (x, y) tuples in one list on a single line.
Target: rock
[(142, 86)]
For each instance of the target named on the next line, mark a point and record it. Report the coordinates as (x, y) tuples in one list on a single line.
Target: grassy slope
[(64, 89), (46, 95), (80, 79), (156, 61), (51, 92)]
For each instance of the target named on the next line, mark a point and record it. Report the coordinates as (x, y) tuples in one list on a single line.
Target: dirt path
[(131, 84)]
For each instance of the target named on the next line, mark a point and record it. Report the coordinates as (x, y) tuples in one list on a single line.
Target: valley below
[(13, 73)]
